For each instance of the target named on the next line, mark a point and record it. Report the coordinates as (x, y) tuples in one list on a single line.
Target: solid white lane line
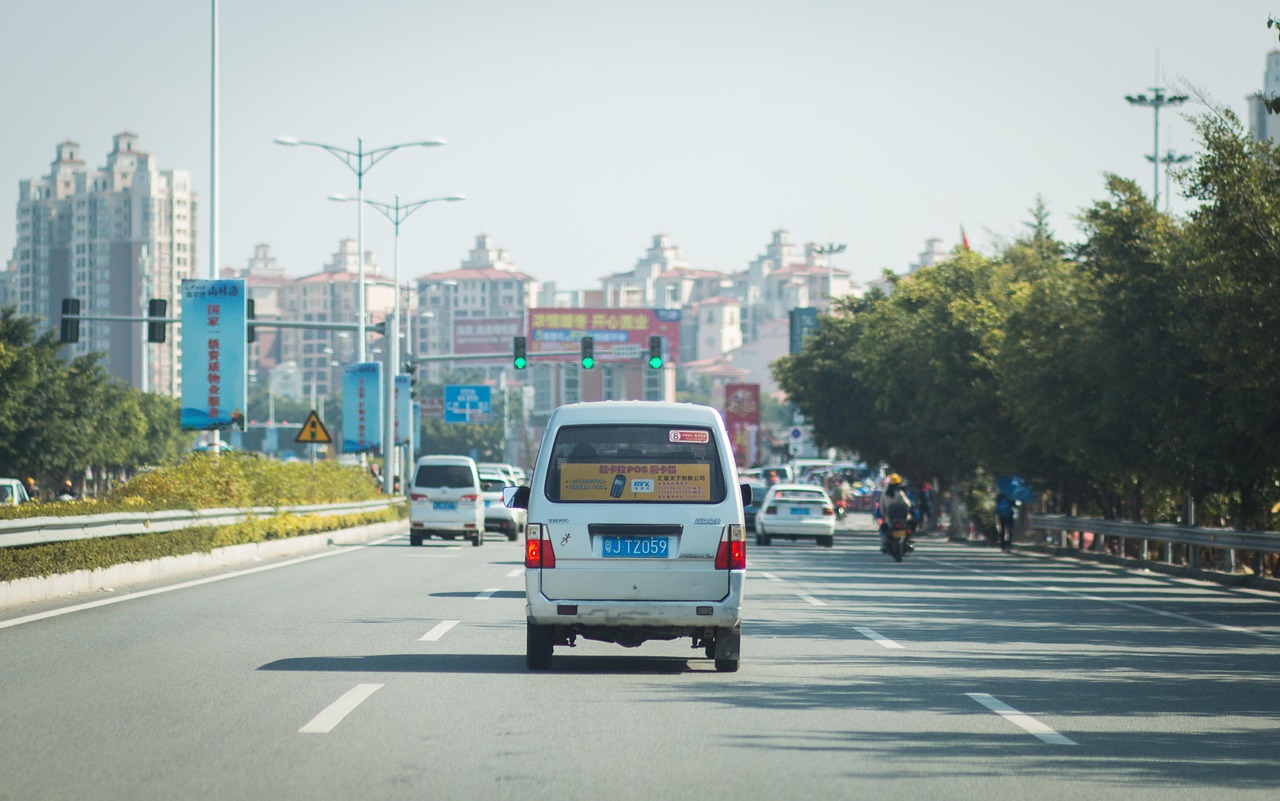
[(18, 621), (517, 572), (810, 599), (487, 593), (1112, 601), (339, 709), (1022, 721), (438, 631), (876, 637)]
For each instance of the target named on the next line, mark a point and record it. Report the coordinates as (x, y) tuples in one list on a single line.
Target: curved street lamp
[(359, 161)]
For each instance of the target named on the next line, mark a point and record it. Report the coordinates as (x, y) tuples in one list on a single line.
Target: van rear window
[(444, 475), (635, 464)]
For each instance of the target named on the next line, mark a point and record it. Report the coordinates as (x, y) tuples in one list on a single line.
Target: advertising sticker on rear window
[(635, 482), (680, 435)]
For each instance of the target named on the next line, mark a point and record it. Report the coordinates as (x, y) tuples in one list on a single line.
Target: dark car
[(749, 512)]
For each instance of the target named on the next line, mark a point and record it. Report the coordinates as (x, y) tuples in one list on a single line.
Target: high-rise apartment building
[(1262, 124), (112, 237)]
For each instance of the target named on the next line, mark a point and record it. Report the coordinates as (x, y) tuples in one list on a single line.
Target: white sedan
[(794, 511)]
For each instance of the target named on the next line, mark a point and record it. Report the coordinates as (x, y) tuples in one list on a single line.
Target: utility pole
[(830, 250), (1156, 101)]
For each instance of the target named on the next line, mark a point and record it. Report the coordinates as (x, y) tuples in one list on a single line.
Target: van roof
[(616, 412), (445, 459)]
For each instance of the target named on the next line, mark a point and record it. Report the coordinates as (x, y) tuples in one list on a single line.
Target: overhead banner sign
[(627, 330), (213, 354), (491, 335), (742, 420), (361, 407), (404, 412), (468, 403)]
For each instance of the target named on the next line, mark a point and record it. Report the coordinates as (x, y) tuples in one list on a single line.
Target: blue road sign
[(467, 403)]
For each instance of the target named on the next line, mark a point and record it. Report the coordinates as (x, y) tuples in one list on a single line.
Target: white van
[(634, 530), (444, 499)]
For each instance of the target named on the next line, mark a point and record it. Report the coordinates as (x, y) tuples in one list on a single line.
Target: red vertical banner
[(742, 418)]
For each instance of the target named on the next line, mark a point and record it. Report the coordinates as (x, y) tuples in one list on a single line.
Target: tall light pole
[(359, 161), (397, 214), (829, 250), (1168, 160), (1157, 101)]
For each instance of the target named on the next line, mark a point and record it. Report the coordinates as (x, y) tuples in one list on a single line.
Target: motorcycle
[(841, 509), (899, 531)]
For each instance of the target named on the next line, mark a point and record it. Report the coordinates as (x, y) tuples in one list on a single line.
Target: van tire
[(727, 665), (539, 645), (477, 539), (415, 539), (826, 542), (728, 647)]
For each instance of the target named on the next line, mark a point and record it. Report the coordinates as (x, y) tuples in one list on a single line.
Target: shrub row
[(91, 554)]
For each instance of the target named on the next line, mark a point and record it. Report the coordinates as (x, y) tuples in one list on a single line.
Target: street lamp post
[(397, 214), (1169, 160), (1157, 100), (830, 250), (359, 161)]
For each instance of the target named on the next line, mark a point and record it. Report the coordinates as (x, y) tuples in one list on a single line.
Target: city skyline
[(579, 132)]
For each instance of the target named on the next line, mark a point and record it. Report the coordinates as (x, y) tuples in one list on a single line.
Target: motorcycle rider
[(894, 504)]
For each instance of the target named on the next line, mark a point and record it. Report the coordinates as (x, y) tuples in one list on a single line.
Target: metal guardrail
[(43, 530), (1164, 535)]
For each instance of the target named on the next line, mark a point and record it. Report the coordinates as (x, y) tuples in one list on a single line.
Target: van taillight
[(538, 552), (415, 496), (468, 498), (732, 553)]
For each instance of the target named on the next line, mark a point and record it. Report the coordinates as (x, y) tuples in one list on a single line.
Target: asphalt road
[(389, 672)]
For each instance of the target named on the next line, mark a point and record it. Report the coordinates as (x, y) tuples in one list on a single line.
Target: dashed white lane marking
[(487, 593), (517, 572), (438, 631), (876, 637), (1022, 721), (18, 621), (1112, 601), (810, 599), (771, 577), (433, 556), (339, 709)]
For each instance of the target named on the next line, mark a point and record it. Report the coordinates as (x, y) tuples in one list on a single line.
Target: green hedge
[(68, 557)]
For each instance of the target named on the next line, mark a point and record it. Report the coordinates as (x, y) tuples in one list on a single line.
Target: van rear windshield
[(635, 464), (444, 475)]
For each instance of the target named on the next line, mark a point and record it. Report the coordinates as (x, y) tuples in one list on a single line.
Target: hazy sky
[(580, 128)]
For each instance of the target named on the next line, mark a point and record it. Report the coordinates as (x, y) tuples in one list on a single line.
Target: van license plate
[(636, 547), (444, 505), (799, 511)]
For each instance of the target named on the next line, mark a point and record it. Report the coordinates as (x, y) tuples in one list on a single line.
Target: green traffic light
[(588, 362), (521, 362), (655, 363)]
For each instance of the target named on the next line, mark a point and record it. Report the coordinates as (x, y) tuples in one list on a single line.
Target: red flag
[(964, 239)]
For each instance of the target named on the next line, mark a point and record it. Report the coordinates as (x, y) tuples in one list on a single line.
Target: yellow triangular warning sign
[(314, 431)]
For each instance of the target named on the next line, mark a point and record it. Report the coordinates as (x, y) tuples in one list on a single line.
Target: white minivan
[(444, 499), (634, 530)]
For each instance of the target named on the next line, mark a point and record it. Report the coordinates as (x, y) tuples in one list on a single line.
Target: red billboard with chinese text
[(742, 419), (563, 329)]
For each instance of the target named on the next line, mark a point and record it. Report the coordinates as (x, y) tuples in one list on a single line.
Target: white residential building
[(111, 237)]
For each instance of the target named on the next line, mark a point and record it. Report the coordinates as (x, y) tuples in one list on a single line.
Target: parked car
[(796, 511), (12, 492), (505, 470), (445, 500), (497, 517)]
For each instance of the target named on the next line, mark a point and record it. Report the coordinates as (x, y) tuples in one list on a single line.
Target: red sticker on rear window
[(677, 435)]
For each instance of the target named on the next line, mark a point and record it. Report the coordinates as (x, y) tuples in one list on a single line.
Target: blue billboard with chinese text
[(213, 354), (361, 407)]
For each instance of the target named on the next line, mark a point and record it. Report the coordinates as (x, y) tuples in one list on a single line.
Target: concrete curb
[(81, 582)]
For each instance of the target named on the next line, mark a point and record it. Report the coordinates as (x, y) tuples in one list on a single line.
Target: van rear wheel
[(539, 645)]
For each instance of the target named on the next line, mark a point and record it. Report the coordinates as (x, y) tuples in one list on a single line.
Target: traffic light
[(588, 352), (655, 352), (519, 356), (156, 308), (250, 333), (69, 330)]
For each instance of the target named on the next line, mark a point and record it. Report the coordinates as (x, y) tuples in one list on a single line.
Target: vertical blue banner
[(403, 412), (414, 432), (361, 407), (213, 354)]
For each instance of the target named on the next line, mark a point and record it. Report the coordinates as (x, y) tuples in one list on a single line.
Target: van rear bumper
[(646, 614)]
